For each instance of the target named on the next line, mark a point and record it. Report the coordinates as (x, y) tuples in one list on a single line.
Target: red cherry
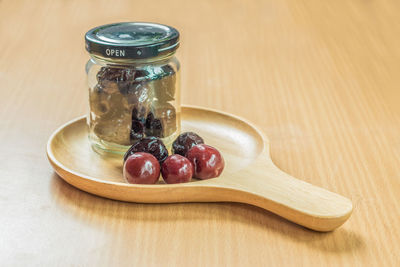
[(207, 161), (177, 169), (141, 168)]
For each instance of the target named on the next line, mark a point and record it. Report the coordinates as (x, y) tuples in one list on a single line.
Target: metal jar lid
[(132, 40)]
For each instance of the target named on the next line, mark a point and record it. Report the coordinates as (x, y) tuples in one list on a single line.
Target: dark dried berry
[(186, 141), (149, 119), (115, 74), (138, 123), (139, 112), (152, 145), (124, 78), (137, 130), (153, 126), (141, 75), (161, 121), (110, 74)]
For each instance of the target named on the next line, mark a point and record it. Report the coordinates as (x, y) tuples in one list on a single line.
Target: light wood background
[(321, 78)]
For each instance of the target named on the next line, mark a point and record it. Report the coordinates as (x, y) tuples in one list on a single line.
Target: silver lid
[(132, 40)]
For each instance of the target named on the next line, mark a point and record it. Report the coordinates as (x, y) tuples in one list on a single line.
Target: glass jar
[(133, 79)]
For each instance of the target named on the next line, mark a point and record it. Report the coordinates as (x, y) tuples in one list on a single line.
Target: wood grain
[(319, 77)]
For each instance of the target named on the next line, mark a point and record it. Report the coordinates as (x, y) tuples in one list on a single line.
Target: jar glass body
[(131, 100)]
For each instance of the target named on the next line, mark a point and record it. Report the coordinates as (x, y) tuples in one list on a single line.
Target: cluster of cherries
[(147, 158)]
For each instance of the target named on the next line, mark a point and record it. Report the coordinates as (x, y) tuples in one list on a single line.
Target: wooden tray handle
[(266, 186)]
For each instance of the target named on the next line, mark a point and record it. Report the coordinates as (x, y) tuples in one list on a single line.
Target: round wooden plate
[(249, 176)]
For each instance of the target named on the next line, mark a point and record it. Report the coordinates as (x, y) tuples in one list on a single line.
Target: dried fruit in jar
[(161, 120), (122, 77), (110, 117), (128, 104), (164, 85), (136, 60), (139, 114), (119, 105)]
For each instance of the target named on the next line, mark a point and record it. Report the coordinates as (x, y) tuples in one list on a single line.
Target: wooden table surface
[(321, 78)]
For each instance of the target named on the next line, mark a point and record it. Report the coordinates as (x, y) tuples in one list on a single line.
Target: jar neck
[(124, 62)]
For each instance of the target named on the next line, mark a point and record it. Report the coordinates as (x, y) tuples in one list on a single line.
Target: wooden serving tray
[(250, 176)]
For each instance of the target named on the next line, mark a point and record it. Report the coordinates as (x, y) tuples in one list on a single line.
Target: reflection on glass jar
[(133, 79)]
